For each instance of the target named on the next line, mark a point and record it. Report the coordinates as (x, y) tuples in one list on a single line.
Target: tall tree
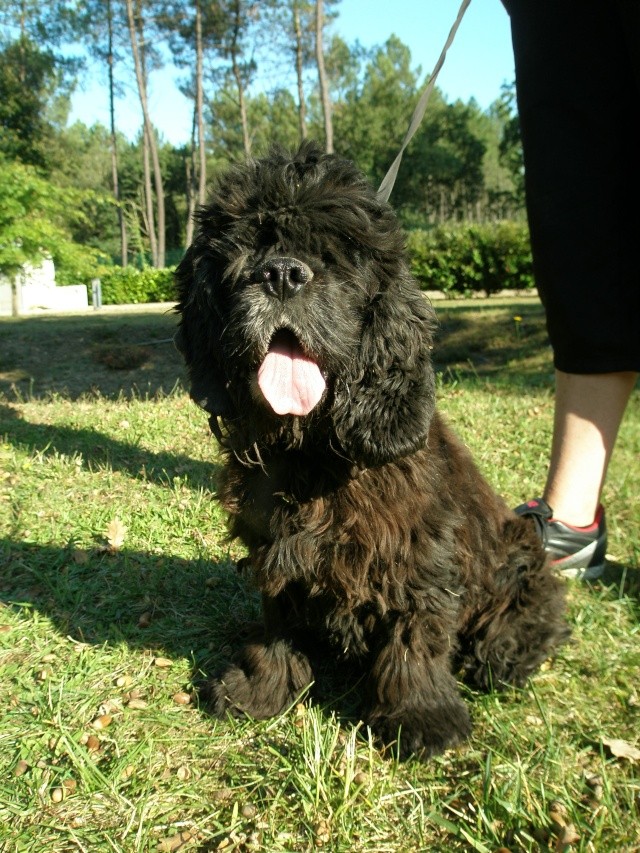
[(103, 31), (234, 46), (272, 118), (29, 85), (36, 79), (202, 151), (233, 74), (286, 31), (300, 63), (110, 59), (193, 29), (375, 107), (323, 82), (139, 49), (48, 24), (511, 154)]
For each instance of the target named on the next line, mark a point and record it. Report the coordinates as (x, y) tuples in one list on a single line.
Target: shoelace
[(539, 515)]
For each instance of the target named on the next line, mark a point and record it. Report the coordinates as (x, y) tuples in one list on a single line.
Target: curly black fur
[(369, 528)]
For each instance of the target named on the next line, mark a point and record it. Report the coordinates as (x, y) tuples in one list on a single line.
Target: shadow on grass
[(199, 610), (100, 450), (493, 340), (78, 355), (115, 355), (173, 606), (621, 580)]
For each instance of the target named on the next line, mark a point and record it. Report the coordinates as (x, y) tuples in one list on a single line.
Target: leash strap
[(390, 178)]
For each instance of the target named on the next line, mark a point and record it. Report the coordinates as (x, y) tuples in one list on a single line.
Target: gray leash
[(390, 178)]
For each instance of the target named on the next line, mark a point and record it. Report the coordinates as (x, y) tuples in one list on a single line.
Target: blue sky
[(478, 63)]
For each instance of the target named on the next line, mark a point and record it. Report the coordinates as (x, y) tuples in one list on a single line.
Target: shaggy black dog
[(372, 536)]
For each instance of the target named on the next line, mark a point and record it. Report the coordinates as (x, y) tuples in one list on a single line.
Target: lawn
[(119, 592)]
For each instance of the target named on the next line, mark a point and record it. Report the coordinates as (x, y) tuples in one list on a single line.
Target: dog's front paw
[(264, 682), (231, 694), (423, 732)]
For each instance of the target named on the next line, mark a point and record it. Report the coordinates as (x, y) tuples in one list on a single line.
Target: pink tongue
[(291, 383)]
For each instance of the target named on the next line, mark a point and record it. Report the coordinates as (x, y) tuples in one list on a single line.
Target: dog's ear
[(384, 409), (198, 335)]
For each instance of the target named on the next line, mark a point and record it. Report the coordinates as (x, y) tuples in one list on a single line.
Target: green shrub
[(37, 219), (457, 259), (465, 259), (131, 286)]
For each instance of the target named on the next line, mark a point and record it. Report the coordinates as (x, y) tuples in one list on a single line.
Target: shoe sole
[(590, 573), (578, 566)]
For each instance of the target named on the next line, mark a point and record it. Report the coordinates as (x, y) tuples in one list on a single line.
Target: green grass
[(91, 613)]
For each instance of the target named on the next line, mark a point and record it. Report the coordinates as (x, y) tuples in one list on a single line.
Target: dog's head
[(299, 314)]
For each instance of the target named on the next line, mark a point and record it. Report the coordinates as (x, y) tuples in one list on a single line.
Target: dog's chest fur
[(307, 525)]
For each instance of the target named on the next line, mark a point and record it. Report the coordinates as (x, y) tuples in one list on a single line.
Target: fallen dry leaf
[(222, 795), (248, 810), (21, 768), (558, 814), (116, 532), (322, 831), (93, 743), (102, 721), (175, 842), (162, 662), (566, 838), (621, 749), (595, 785)]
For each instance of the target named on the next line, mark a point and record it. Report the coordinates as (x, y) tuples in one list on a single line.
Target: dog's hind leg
[(523, 627), (414, 704)]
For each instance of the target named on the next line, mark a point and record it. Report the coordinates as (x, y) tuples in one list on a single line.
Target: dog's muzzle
[(282, 277)]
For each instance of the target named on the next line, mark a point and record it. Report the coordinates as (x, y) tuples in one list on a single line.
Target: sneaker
[(576, 552)]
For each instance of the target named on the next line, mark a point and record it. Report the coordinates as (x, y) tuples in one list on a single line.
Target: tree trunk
[(191, 202), (235, 67), (190, 187), (148, 199), (302, 107), (114, 144), (202, 153), (16, 283), (322, 79), (149, 132)]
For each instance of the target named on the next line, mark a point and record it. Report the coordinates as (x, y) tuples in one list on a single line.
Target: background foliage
[(90, 193)]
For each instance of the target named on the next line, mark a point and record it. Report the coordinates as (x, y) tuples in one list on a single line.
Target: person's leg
[(588, 412), (580, 140)]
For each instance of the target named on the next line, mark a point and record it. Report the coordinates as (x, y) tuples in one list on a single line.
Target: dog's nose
[(282, 277)]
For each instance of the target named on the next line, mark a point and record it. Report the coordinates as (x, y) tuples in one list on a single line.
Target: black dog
[(371, 533)]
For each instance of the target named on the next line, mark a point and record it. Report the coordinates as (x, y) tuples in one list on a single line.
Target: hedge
[(466, 259), (131, 286), (458, 259)]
